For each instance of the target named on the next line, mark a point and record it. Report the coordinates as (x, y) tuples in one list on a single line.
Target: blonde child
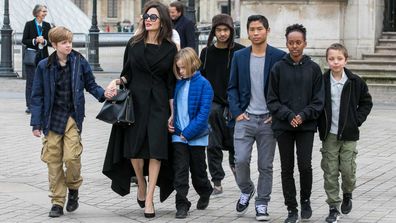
[(192, 102)]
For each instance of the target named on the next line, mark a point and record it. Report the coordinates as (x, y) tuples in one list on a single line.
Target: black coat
[(355, 105), (30, 33), (148, 70), (186, 30)]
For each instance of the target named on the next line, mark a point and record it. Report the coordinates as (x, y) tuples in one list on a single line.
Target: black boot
[(346, 205), (56, 211), (72, 202)]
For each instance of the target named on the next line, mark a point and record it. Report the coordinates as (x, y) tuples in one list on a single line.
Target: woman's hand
[(111, 89)]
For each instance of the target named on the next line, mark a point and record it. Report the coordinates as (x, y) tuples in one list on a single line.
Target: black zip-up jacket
[(295, 89), (355, 105)]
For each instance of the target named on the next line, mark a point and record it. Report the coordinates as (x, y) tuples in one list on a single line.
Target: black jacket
[(30, 33), (295, 89), (186, 30), (355, 106)]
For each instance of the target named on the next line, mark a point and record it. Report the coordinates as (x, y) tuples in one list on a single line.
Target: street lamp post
[(93, 44), (6, 66), (190, 14)]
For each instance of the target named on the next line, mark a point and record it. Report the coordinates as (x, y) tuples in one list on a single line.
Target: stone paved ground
[(23, 177)]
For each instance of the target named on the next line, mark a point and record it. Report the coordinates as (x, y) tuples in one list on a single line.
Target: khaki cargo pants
[(338, 157), (59, 149)]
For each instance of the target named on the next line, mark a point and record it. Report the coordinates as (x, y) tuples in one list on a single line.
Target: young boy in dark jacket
[(57, 106), (295, 100), (347, 105)]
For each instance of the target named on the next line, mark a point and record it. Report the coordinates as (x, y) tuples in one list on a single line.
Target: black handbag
[(29, 57), (119, 109)]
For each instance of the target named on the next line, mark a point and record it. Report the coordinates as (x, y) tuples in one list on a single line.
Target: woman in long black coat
[(148, 74), (35, 37)]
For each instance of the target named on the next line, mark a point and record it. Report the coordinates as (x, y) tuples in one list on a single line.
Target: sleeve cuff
[(36, 127)]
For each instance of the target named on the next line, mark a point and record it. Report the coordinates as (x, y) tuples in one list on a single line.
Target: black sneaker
[(182, 212), (346, 205), (72, 202), (243, 202), (203, 202), (292, 217), (27, 111), (334, 215), (306, 210), (56, 211), (262, 213)]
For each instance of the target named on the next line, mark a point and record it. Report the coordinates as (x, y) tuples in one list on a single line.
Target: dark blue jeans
[(30, 70)]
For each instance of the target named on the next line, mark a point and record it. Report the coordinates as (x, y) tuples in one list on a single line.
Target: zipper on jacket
[(346, 117), (327, 124)]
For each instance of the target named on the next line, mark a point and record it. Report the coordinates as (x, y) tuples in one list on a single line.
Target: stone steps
[(387, 42), (374, 64), (379, 57), (386, 49)]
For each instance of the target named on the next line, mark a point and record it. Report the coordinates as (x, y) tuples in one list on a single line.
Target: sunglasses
[(153, 17)]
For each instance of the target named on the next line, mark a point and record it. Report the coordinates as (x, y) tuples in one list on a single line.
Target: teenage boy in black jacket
[(347, 105), (295, 100), (216, 63)]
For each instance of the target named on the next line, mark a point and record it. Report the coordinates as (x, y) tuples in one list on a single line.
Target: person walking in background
[(347, 105), (295, 100), (193, 98), (148, 74), (247, 95), (182, 24), (216, 63), (35, 37), (57, 108)]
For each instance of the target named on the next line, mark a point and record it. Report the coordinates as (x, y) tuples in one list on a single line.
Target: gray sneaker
[(217, 191)]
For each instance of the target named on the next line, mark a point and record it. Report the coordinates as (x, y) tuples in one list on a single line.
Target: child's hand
[(37, 132), (241, 117), (268, 120), (182, 137), (171, 128), (297, 120)]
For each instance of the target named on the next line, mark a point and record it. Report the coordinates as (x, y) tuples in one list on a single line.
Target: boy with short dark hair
[(57, 106), (347, 105), (247, 96)]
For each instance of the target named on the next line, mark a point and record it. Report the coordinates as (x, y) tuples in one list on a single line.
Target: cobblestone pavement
[(24, 187)]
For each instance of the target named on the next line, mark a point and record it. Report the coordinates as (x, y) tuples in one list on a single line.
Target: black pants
[(221, 138), (30, 70), (304, 143), (191, 158)]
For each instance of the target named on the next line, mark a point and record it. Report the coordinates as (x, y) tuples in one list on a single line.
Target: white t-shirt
[(175, 37)]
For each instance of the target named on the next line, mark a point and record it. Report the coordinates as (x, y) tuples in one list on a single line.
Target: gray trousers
[(246, 133)]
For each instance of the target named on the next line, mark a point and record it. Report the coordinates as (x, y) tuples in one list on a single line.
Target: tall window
[(112, 6), (80, 4)]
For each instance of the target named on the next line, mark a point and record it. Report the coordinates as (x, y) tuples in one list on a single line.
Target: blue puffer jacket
[(200, 96), (43, 90)]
